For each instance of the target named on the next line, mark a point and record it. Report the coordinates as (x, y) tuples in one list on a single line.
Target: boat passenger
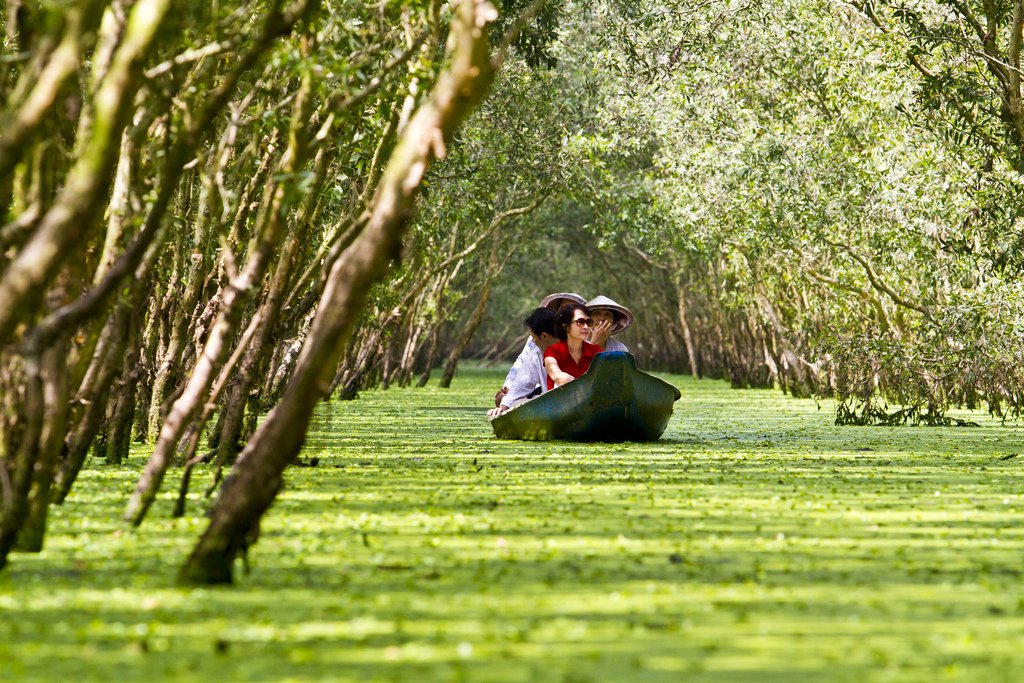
[(531, 379), (609, 318), (571, 356), (554, 302)]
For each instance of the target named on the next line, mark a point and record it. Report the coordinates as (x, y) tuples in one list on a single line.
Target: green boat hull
[(613, 401)]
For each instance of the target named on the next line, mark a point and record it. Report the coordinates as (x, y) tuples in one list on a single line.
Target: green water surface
[(755, 542)]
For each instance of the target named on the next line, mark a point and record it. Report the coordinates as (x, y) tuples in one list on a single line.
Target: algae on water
[(756, 541)]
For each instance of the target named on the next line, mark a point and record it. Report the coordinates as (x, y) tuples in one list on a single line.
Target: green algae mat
[(755, 542)]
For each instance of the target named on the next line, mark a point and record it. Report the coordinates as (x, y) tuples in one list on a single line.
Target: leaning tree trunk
[(684, 324), (435, 332), (256, 479), (235, 297), (25, 278)]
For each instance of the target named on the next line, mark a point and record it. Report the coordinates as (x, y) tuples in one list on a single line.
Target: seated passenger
[(609, 318), (571, 357), (554, 302), (530, 379)]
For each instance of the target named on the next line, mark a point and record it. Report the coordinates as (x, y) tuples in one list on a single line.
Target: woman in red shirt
[(571, 356)]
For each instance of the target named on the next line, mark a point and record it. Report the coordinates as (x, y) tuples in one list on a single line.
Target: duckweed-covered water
[(756, 541)]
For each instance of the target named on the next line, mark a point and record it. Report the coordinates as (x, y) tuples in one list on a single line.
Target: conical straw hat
[(552, 298), (623, 316)]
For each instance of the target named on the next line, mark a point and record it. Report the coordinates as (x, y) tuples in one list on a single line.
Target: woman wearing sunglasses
[(531, 352), (571, 356)]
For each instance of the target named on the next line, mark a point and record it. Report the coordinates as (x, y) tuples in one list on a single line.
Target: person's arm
[(513, 372), (555, 372), (524, 385), (500, 396)]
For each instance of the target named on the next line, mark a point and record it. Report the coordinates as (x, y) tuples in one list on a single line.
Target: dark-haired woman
[(571, 356), (531, 350)]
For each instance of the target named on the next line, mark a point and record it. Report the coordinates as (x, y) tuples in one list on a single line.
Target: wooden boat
[(613, 401)]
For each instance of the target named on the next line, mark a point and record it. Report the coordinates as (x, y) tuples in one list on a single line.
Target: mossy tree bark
[(72, 215), (232, 301), (256, 479)]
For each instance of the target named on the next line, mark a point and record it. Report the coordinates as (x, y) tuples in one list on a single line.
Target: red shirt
[(560, 352)]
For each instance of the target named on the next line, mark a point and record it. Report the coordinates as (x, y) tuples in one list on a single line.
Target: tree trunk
[(109, 359), (256, 478), (54, 368), (122, 416), (25, 278), (691, 352), (17, 476)]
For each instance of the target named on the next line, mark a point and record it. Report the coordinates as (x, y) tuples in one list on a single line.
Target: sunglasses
[(584, 322)]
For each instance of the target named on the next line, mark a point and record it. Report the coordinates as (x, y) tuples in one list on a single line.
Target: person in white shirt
[(531, 350), (530, 379), (609, 318)]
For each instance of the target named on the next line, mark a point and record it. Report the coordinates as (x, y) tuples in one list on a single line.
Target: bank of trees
[(198, 201), (825, 199), (217, 212)]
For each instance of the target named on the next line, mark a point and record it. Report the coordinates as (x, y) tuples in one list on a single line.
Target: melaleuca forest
[(511, 340)]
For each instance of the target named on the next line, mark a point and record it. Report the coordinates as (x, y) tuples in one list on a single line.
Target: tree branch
[(340, 105), (187, 56), (513, 32), (876, 282)]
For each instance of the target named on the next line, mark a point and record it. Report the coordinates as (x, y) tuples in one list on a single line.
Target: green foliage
[(792, 181), (968, 354), (534, 41)]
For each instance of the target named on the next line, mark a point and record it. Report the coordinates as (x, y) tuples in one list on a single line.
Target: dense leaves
[(800, 207)]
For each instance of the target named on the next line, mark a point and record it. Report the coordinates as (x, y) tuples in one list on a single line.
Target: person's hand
[(495, 412), (600, 332), (500, 395)]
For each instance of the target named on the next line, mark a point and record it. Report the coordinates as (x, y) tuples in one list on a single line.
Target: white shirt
[(523, 355), (526, 375)]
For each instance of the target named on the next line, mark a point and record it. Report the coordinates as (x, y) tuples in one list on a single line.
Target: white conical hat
[(551, 298), (623, 317)]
